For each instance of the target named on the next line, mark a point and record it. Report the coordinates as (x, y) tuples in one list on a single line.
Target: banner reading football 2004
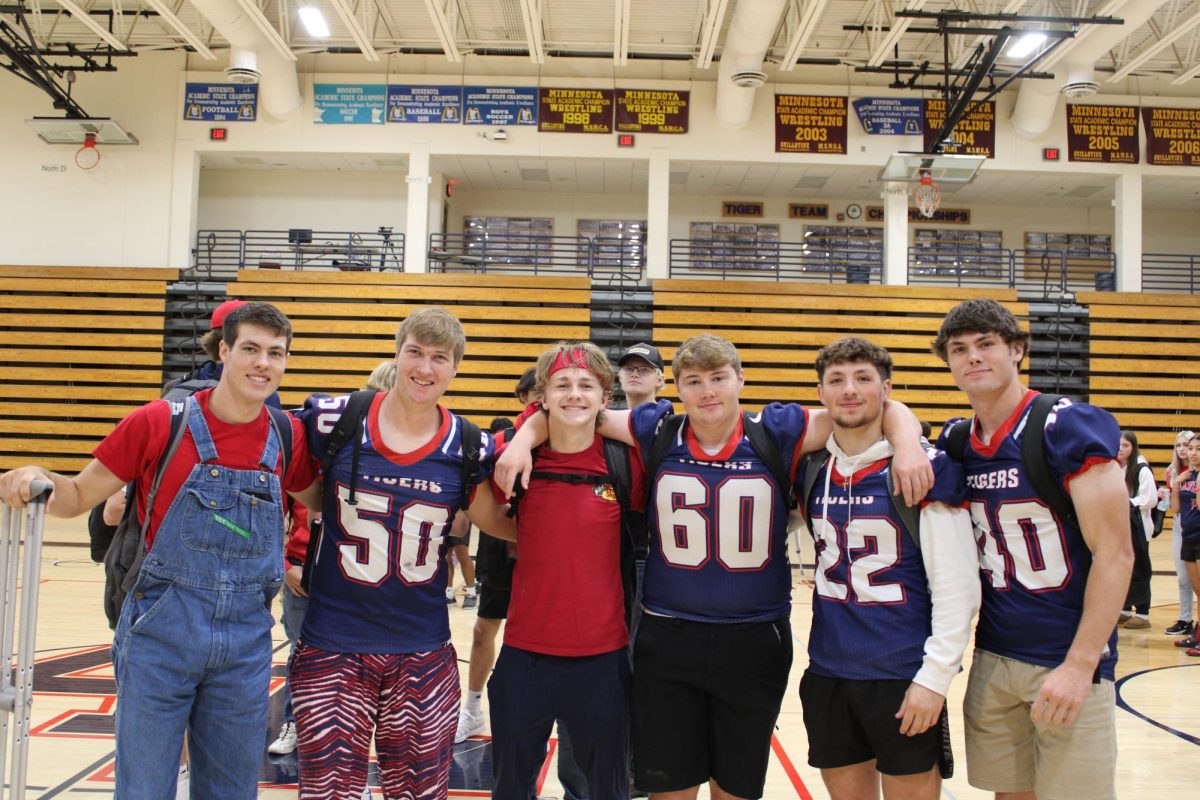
[(973, 135), (810, 124)]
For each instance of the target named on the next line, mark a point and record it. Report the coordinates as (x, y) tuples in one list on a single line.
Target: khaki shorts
[(1008, 752)]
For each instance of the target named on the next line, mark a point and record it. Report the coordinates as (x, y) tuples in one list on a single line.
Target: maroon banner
[(974, 135), (652, 111), (810, 124), (1102, 134), (1172, 136), (575, 110)]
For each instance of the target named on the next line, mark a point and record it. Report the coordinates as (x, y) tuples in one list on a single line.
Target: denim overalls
[(192, 649)]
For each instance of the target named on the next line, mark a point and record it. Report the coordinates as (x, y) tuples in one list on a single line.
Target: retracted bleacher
[(1145, 365), (345, 324), (778, 330), (81, 348)]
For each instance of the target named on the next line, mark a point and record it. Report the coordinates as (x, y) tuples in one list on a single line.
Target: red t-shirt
[(566, 595), (133, 450)]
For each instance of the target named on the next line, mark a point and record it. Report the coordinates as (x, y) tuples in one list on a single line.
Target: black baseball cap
[(641, 350)]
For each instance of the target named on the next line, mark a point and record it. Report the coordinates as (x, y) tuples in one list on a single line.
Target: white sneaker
[(286, 742), (468, 725)]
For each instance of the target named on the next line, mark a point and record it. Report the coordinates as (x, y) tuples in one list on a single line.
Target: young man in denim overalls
[(192, 648)]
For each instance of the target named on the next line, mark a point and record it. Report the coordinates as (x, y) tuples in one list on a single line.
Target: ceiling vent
[(1080, 88), (243, 75), (748, 78)]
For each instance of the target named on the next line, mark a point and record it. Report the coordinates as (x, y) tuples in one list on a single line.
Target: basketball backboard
[(909, 167), (65, 130)]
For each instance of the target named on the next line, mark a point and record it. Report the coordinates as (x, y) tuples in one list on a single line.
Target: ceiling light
[(314, 22), (1026, 44)]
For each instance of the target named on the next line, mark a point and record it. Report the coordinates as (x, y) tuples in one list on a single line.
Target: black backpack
[(1033, 455), (752, 426), (349, 430), (810, 467), (124, 554)]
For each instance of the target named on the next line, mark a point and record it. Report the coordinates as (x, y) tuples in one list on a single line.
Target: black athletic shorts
[(850, 722), (493, 603), (1189, 550), (460, 541), (706, 697)]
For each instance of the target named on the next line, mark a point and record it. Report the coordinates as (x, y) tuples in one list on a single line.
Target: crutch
[(17, 699)]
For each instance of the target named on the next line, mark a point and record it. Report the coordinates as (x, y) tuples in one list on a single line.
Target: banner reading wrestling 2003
[(810, 124)]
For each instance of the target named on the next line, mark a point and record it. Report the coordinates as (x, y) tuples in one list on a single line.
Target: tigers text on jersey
[(1034, 566), (1189, 515), (379, 579), (718, 523), (872, 611)]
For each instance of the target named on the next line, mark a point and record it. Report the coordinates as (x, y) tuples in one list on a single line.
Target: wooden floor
[(1158, 723)]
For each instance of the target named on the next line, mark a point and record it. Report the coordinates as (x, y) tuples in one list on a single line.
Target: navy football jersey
[(1189, 515), (1034, 566), (379, 578), (718, 523), (871, 600)]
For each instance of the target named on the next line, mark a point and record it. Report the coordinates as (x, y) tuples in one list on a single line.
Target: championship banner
[(974, 135), (810, 124), (889, 116), (575, 110), (220, 102), (1102, 134), (349, 103), (1172, 136), (440, 104), (652, 111), (499, 105)]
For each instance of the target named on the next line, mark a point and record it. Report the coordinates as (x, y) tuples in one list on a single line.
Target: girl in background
[(1139, 480), (1185, 625)]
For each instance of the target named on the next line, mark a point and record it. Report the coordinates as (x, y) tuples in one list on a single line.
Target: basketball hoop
[(88, 156), (926, 196)]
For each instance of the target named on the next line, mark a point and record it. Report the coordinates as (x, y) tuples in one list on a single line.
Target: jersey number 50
[(367, 560), (743, 521)]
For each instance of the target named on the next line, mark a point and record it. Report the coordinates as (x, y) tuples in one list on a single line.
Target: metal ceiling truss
[(444, 14), (532, 16), (801, 22)]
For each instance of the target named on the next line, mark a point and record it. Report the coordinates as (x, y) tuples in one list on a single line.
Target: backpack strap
[(472, 451), (616, 458), (768, 451), (179, 417), (810, 468), (664, 439), (909, 515), (281, 421), (1033, 459), (348, 428), (956, 439)]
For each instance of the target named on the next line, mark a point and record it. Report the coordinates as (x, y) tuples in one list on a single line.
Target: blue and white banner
[(889, 116), (424, 104), (349, 103), (220, 102), (500, 105)]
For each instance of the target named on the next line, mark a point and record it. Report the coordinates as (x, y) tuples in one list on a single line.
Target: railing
[(1044, 273), (777, 261), (534, 255), (1170, 272), (221, 253)]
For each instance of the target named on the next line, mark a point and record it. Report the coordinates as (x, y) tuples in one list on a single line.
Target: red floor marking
[(790, 769), (106, 707)]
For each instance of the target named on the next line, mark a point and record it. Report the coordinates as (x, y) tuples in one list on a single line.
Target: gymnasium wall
[(142, 205)]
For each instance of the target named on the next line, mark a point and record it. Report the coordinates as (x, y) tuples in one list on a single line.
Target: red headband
[(569, 358)]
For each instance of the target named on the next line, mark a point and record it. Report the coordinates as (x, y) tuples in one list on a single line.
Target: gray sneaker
[(470, 601)]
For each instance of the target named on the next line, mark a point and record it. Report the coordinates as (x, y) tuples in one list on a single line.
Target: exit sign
[(216, 134), (1050, 154), (625, 140)]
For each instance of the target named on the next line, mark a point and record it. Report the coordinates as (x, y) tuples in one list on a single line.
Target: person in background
[(640, 370), (1143, 494), (1184, 626), (1183, 505), (458, 551)]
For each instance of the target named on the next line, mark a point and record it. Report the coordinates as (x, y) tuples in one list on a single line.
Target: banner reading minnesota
[(973, 135), (1102, 134), (575, 110), (652, 111), (1172, 136), (810, 124)]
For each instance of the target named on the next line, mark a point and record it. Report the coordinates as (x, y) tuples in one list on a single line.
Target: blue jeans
[(192, 648), (294, 607)]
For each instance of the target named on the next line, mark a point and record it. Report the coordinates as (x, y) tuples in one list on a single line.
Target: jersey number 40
[(1025, 544)]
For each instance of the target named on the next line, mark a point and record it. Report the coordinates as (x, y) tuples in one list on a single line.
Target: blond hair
[(594, 361), (383, 377), (705, 352), (434, 327)]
